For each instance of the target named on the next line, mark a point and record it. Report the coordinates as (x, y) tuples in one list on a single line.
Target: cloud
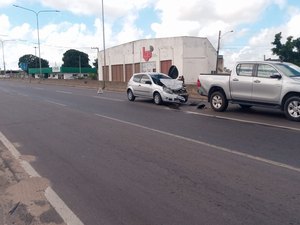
[(4, 24), (57, 38), (129, 31), (259, 46), (189, 17), (292, 27), (199, 18), (5, 3), (113, 8)]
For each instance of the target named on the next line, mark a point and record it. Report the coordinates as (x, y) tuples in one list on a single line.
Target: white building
[(191, 56)]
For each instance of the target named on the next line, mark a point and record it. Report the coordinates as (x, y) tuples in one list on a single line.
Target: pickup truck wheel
[(292, 108), (218, 101)]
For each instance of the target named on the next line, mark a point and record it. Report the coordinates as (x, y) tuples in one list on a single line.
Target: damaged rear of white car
[(157, 86)]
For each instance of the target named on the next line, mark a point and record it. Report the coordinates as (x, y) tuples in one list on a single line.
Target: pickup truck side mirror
[(276, 76)]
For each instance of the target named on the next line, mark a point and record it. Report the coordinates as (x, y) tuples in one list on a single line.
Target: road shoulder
[(22, 198)]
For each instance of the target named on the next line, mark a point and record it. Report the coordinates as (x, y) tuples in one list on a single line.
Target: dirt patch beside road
[(22, 199)]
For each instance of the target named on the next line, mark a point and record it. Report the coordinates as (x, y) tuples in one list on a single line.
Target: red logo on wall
[(147, 54)]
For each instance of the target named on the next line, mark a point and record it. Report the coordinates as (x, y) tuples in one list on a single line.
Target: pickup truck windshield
[(289, 70)]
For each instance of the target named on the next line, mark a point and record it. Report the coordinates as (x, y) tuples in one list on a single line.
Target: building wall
[(199, 57), (191, 56)]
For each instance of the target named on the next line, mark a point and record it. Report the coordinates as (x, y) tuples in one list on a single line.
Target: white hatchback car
[(157, 86)]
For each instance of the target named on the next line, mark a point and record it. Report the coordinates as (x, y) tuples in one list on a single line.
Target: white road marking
[(223, 149), (10, 146), (38, 88), (24, 95), (56, 103), (244, 121), (29, 169), (111, 99), (58, 204), (64, 92), (62, 209)]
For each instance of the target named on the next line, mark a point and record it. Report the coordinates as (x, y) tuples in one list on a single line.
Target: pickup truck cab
[(255, 83)]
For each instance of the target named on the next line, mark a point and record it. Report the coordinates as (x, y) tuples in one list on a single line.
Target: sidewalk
[(22, 199)]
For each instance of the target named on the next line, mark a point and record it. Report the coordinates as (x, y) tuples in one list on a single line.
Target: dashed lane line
[(111, 99), (219, 148), (38, 88), (244, 121), (64, 92), (56, 103)]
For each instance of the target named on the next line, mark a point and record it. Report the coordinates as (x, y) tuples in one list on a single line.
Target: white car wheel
[(157, 98)]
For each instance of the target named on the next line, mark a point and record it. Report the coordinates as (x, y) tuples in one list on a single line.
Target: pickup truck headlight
[(167, 90)]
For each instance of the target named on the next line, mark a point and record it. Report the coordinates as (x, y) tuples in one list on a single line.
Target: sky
[(78, 25)]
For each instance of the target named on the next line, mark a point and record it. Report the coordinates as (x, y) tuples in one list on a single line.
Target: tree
[(288, 52), (30, 61), (75, 58)]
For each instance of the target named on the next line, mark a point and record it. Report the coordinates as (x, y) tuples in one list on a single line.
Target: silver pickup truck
[(255, 83)]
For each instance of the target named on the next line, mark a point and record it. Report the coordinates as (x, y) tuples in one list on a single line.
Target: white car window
[(137, 78), (144, 79)]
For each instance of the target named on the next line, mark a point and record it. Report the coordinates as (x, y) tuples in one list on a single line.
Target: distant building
[(63, 72), (191, 56)]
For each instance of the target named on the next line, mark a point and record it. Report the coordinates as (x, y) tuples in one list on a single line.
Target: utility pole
[(104, 57), (218, 47), (2, 45), (79, 65)]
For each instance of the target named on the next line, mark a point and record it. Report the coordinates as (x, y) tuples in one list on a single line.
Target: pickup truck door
[(265, 88), (241, 82)]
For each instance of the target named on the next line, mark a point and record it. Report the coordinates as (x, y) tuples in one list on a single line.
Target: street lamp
[(38, 30), (104, 55), (2, 44), (218, 48), (100, 90)]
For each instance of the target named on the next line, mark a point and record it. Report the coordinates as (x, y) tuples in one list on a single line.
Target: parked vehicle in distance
[(255, 83), (157, 86)]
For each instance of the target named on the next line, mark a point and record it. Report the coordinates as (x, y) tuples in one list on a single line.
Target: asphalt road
[(118, 162)]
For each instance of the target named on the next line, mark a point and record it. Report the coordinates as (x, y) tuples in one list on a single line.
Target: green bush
[(93, 76)]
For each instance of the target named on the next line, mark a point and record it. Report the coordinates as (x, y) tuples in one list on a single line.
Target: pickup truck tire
[(292, 108), (218, 101)]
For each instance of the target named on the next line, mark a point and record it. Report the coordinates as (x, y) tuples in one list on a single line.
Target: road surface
[(115, 162)]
